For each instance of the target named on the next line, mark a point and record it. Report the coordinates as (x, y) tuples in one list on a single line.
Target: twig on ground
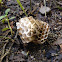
[(7, 52), (59, 3)]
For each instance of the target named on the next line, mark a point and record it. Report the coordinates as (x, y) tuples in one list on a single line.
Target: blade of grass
[(4, 29), (30, 5), (21, 7), (11, 18), (60, 8), (4, 37), (9, 26), (0, 1), (45, 6)]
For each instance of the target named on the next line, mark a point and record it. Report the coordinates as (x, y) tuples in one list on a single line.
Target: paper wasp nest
[(31, 30)]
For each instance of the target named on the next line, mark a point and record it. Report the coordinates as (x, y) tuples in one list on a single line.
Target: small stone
[(55, 28), (32, 56), (24, 53)]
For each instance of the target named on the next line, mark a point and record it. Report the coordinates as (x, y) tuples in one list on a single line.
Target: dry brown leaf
[(44, 9)]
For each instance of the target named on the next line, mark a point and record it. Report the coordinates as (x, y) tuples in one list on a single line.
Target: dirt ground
[(13, 50)]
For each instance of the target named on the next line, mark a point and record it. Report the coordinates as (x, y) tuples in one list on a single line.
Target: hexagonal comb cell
[(32, 30)]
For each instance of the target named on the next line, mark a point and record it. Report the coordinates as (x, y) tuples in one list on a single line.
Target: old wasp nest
[(31, 30)]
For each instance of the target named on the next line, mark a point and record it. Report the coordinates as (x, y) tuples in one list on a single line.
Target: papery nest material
[(31, 30)]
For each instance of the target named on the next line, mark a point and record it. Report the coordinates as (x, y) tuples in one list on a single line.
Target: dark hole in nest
[(41, 28), (43, 33), (38, 38), (39, 35), (41, 40), (40, 31), (35, 32), (29, 34), (46, 32)]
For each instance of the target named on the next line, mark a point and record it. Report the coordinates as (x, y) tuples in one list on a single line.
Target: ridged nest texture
[(31, 30)]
